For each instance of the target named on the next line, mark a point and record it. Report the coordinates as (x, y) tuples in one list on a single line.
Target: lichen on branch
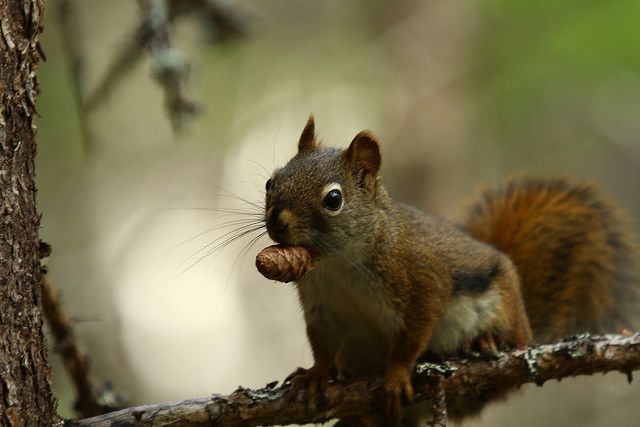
[(578, 355)]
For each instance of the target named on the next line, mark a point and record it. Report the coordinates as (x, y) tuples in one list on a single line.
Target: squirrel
[(533, 261)]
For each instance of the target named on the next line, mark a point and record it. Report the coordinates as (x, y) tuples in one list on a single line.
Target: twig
[(90, 401), (579, 355), (439, 407), (170, 67), (222, 23), (66, 344), (71, 36), (153, 33), (128, 56)]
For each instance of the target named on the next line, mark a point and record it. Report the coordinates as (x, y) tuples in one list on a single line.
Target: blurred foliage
[(532, 56)]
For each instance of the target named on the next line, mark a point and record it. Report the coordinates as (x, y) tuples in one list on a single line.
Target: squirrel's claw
[(487, 344), (397, 384), (314, 379), (299, 370)]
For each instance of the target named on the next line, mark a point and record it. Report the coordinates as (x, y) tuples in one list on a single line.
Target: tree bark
[(26, 398), (578, 355)]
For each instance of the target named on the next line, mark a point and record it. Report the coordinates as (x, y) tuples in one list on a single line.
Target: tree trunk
[(26, 398)]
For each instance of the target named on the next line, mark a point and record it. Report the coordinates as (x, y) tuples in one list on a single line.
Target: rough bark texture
[(580, 355), (439, 408), (26, 398)]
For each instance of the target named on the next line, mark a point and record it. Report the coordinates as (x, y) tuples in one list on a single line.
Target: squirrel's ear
[(364, 153), (307, 140)]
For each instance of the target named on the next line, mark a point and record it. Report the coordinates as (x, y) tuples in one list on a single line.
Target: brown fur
[(392, 284), (572, 250), (307, 141)]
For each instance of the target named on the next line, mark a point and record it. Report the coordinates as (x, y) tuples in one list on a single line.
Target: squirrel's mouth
[(288, 241), (286, 236)]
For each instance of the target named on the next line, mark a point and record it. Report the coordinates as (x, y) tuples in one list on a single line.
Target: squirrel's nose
[(276, 221), (279, 226)]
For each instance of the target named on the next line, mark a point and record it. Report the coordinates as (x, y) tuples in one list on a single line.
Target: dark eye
[(267, 185), (333, 200)]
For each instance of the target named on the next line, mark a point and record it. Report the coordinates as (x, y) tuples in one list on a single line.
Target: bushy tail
[(576, 259)]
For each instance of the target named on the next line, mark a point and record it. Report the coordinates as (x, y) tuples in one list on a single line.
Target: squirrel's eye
[(267, 185), (332, 200)]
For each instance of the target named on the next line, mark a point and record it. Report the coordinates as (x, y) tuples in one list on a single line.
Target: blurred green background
[(462, 94)]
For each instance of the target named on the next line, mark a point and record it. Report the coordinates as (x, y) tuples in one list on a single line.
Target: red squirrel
[(534, 260)]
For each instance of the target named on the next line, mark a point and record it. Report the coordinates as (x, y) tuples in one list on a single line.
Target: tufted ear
[(307, 140), (364, 154)]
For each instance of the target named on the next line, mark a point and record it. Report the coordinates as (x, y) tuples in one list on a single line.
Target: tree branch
[(70, 40), (171, 68), (439, 407), (578, 355), (66, 344), (90, 401)]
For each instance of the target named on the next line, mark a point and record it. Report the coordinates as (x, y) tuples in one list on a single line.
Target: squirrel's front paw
[(314, 380), (488, 344), (397, 383)]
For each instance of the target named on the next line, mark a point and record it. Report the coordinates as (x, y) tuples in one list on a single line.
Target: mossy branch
[(577, 355)]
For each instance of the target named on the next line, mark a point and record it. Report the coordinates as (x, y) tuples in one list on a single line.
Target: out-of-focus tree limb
[(71, 36), (66, 344), (90, 400), (578, 355), (170, 68)]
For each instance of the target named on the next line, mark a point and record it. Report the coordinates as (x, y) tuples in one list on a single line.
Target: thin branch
[(71, 35), (579, 355), (439, 407), (152, 33), (127, 57), (222, 23), (66, 344), (90, 401), (170, 67)]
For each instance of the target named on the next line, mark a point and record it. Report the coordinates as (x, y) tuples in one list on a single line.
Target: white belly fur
[(465, 316)]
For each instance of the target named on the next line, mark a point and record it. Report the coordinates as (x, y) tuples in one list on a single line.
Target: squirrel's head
[(323, 197)]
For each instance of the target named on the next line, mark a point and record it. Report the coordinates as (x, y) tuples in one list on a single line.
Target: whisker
[(231, 233), (242, 255), (234, 197), (219, 210), (223, 236), (231, 194), (247, 248), (239, 232), (251, 204), (259, 164), (260, 188), (256, 186), (275, 138), (218, 227)]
